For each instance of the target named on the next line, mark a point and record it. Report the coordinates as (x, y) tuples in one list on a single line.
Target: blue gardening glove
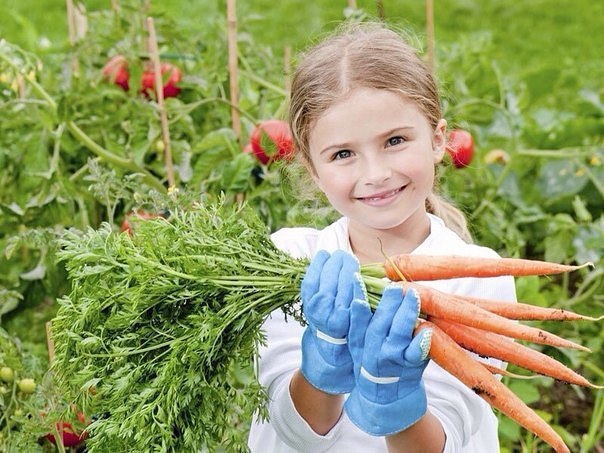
[(389, 394), (329, 286)]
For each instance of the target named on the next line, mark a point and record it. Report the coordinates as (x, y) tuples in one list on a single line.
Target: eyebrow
[(382, 136)]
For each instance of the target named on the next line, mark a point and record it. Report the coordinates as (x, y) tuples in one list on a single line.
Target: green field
[(560, 33)]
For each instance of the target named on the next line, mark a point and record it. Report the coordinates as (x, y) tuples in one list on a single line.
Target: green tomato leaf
[(267, 144), (589, 242), (580, 208), (37, 273), (9, 300), (561, 178), (526, 391), (13, 243), (14, 207), (185, 171), (236, 174)]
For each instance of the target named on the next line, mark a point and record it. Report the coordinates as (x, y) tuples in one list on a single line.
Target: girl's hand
[(389, 395), (329, 286)]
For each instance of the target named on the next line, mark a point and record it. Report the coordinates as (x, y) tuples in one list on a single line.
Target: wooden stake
[(379, 5), (233, 77), (80, 21), (233, 70), (50, 344), (77, 26), (70, 22), (71, 30), (352, 4), (430, 33), (159, 93)]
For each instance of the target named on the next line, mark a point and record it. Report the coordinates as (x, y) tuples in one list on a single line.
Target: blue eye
[(397, 140), (342, 154)]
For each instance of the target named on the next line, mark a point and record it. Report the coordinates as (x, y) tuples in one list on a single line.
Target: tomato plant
[(171, 76), (116, 71), (460, 147), (271, 140), (27, 385), (6, 374), (69, 436)]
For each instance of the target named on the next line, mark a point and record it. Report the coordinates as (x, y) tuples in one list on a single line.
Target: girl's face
[(373, 155)]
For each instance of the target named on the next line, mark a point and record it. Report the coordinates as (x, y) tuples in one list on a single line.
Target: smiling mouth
[(383, 195)]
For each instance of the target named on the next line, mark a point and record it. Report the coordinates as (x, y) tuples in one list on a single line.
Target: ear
[(439, 140)]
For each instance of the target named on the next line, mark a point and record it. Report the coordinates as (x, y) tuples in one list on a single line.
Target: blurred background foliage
[(523, 77)]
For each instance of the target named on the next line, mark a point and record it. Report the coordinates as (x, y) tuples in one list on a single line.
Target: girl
[(366, 121)]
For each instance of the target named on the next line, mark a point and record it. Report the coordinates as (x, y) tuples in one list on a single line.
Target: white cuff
[(292, 429), (377, 379), (323, 336)]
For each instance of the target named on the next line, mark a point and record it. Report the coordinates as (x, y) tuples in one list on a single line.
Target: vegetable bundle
[(153, 335)]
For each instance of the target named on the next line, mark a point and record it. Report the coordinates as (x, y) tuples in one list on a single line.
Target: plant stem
[(127, 164), (562, 153), (97, 149)]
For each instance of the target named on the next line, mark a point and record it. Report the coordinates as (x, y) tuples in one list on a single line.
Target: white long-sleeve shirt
[(468, 421)]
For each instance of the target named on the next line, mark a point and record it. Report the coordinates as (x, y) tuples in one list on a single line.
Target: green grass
[(561, 32), (528, 39)]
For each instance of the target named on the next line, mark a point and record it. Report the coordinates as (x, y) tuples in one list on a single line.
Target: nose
[(376, 171)]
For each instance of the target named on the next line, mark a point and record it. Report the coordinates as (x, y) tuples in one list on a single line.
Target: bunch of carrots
[(486, 327), (191, 293)]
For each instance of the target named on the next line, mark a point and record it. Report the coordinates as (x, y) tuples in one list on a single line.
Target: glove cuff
[(333, 379), (386, 419)]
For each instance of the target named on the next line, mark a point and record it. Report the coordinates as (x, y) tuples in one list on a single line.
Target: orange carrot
[(497, 346), (424, 267), (452, 358), (446, 306), (527, 312), (503, 372)]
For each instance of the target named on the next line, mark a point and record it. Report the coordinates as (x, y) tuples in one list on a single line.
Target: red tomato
[(170, 89), (116, 71), (272, 140), (127, 226), (460, 147), (68, 434)]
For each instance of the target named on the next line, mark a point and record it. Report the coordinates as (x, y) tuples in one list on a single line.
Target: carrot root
[(503, 372), (446, 306), (526, 312), (425, 267), (497, 346), (452, 358)]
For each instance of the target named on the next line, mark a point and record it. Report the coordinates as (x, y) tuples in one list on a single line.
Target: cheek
[(333, 183)]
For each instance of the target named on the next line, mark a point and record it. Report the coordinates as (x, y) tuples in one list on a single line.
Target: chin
[(380, 224)]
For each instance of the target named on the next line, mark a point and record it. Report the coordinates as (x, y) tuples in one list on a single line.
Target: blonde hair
[(365, 55)]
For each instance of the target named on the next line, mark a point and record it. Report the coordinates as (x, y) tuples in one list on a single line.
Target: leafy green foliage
[(158, 323)]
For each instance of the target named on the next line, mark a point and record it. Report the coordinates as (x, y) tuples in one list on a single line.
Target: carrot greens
[(157, 323)]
